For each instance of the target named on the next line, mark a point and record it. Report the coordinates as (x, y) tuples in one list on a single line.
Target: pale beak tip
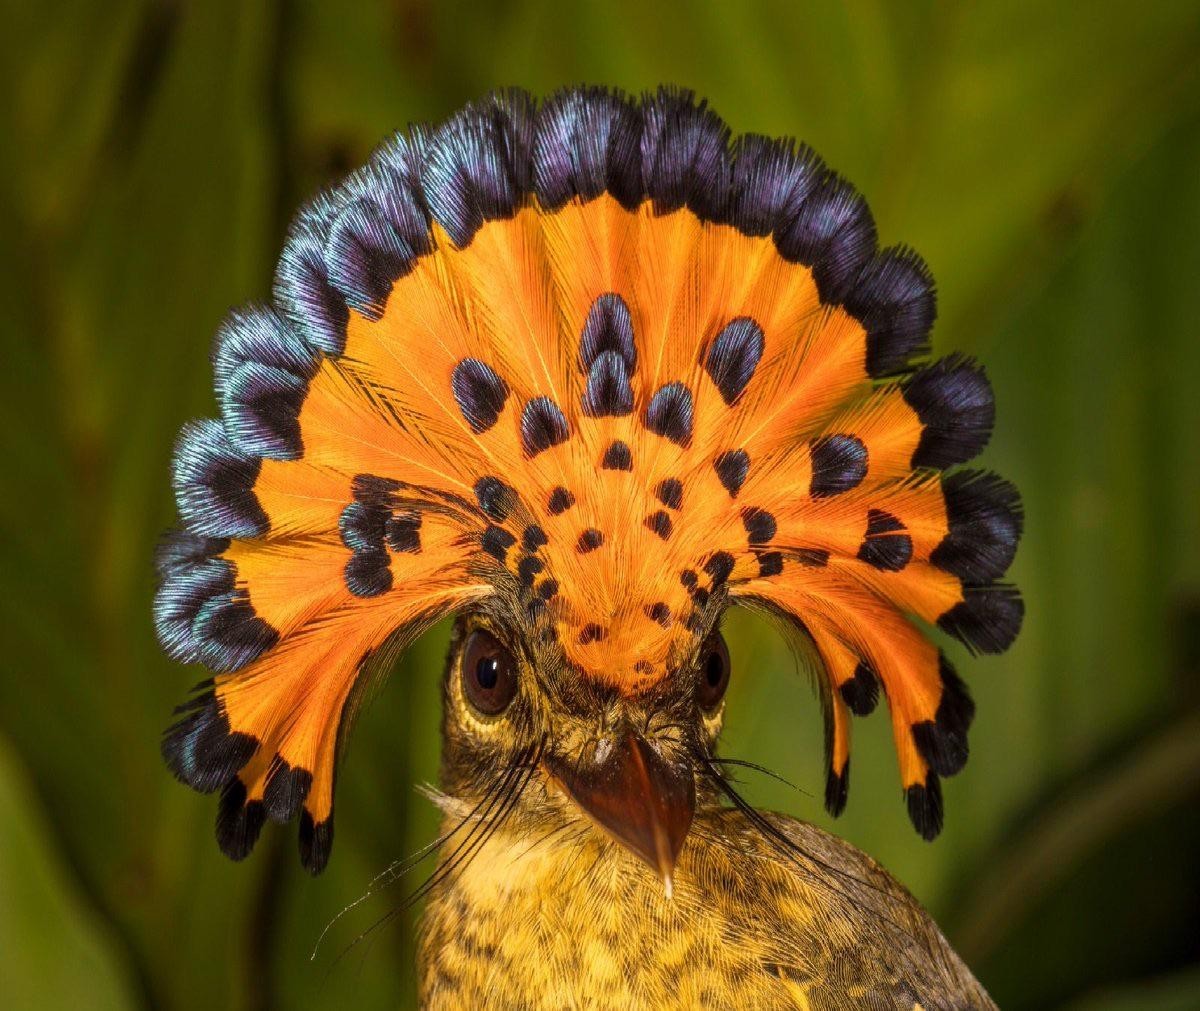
[(668, 886)]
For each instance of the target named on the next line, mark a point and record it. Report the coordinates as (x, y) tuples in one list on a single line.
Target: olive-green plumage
[(545, 908)]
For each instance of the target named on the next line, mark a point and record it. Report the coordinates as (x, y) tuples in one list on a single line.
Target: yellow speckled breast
[(574, 921)]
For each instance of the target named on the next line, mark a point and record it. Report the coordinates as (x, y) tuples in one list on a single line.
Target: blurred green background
[(1045, 158)]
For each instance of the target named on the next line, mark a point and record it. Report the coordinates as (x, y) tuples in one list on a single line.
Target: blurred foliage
[(1045, 158)]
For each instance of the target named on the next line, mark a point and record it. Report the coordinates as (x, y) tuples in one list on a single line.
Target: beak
[(627, 788)]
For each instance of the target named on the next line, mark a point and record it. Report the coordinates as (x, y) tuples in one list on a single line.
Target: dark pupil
[(487, 672), (714, 669)]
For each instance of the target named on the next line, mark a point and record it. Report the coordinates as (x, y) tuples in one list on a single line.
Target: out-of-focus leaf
[(54, 951), (1164, 770), (1177, 992), (119, 302), (1114, 845), (65, 77)]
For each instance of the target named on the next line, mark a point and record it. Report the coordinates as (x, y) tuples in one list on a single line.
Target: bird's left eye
[(489, 674), (714, 671)]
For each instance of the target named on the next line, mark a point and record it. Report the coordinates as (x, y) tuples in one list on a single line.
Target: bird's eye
[(714, 671), (489, 674)]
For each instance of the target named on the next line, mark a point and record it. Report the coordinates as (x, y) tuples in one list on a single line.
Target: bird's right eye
[(714, 672), (489, 674)]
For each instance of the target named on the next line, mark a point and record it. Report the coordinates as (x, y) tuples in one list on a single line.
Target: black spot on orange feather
[(560, 501), (985, 520), (660, 523), (608, 329), (837, 789), (479, 392), (660, 613), (239, 822), (495, 497), (670, 492), (362, 526), (839, 463), (734, 356), (861, 691), (370, 527), (617, 457), (924, 802), (987, 619), (533, 538), (732, 467), (496, 541), (887, 545), (719, 567), (760, 525), (770, 563), (954, 401), (403, 532), (590, 633), (316, 842), (893, 298), (669, 413), (589, 540), (543, 425), (286, 789), (201, 749), (608, 393), (528, 567), (368, 572)]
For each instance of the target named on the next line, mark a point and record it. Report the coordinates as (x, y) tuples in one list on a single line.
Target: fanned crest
[(602, 356)]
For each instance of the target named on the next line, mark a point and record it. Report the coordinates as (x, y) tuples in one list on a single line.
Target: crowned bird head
[(626, 762), (583, 375)]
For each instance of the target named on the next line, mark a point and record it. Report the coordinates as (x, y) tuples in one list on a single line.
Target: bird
[(581, 374)]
